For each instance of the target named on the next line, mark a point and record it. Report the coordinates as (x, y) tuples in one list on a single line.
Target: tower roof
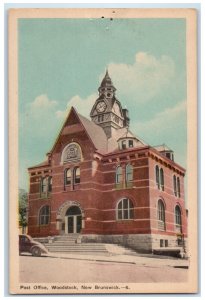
[(107, 82)]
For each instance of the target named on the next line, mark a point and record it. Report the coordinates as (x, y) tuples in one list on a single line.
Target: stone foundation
[(139, 242)]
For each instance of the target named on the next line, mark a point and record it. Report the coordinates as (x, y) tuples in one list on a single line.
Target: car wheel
[(36, 251)]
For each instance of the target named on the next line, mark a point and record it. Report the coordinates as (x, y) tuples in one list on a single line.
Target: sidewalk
[(141, 260)]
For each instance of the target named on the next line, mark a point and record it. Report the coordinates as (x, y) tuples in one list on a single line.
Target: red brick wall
[(168, 198), (98, 196)]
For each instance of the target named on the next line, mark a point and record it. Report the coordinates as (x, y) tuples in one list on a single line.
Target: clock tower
[(107, 111)]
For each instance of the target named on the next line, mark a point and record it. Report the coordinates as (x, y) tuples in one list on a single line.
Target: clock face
[(101, 106)]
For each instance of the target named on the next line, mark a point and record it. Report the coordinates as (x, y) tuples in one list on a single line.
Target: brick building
[(102, 181)]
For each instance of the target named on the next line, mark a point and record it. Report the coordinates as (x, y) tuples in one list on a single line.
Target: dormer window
[(126, 143), (130, 143)]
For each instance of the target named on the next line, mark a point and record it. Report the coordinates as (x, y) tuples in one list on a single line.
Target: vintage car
[(27, 244)]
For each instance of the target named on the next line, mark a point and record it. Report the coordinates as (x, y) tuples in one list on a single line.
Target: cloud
[(163, 120), (167, 126), (38, 119), (143, 79), (82, 105), (43, 102)]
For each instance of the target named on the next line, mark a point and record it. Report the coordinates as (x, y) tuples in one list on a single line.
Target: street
[(61, 270)]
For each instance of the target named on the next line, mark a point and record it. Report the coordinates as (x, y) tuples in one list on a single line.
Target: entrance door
[(74, 224), (73, 220), (71, 224), (78, 223)]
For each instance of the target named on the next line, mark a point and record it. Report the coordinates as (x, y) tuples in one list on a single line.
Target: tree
[(23, 204)]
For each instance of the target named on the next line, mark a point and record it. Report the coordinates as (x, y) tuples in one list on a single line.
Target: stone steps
[(75, 245), (71, 244)]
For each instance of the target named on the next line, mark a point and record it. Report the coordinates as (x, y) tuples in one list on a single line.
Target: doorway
[(73, 220)]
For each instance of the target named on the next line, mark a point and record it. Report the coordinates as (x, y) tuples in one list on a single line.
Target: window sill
[(124, 220), (160, 229), (45, 197), (160, 189), (124, 187)]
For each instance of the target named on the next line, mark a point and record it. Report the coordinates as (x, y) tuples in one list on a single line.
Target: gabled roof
[(95, 133)]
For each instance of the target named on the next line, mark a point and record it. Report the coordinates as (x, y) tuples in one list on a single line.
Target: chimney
[(126, 121)]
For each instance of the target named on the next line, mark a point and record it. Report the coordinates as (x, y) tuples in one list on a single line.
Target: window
[(129, 173), (44, 215), (159, 174), (161, 243), (168, 155), (124, 144), (76, 175), (100, 118), (125, 209), (162, 179), (116, 119), (178, 220), (178, 187), (25, 239), (44, 185), (175, 185), (67, 176), (130, 143), (119, 175), (50, 184), (161, 215)]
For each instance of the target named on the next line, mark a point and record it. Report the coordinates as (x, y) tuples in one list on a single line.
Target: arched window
[(67, 176), (119, 175), (161, 215), (44, 185), (178, 218), (76, 175), (44, 215), (157, 176), (124, 144), (175, 185), (129, 173), (125, 209), (50, 184), (162, 179), (178, 187)]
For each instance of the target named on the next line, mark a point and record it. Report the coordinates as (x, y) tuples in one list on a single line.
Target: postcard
[(102, 151)]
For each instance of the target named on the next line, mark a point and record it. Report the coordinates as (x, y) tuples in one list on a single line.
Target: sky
[(61, 63)]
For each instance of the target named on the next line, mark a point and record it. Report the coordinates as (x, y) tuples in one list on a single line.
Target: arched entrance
[(70, 218), (73, 220)]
